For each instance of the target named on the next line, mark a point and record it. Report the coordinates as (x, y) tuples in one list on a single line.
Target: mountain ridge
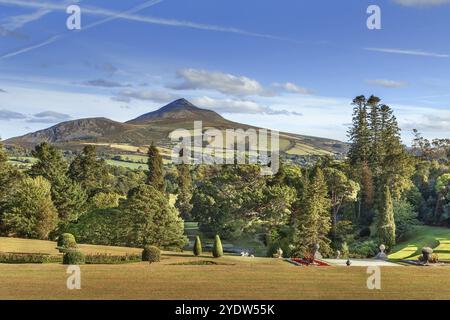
[(156, 126)]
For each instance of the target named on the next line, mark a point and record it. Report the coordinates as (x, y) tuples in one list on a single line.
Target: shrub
[(101, 258), (365, 232), (74, 257), (198, 247), (217, 250), (345, 250), (364, 249), (151, 254), (19, 258), (67, 241)]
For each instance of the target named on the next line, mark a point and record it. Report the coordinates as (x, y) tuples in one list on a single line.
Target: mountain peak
[(179, 104), (178, 110)]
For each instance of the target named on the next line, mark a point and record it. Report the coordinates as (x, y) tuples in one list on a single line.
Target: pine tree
[(313, 222), (367, 195), (183, 203), (197, 247), (386, 222), (396, 164), (9, 181), (149, 219), (155, 174), (29, 210), (359, 134), (217, 250), (68, 196), (375, 139), (90, 172)]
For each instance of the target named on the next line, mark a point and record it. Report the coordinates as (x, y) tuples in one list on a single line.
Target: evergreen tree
[(149, 219), (375, 132), (155, 174), (9, 179), (367, 195), (90, 172), (29, 210), (183, 203), (386, 222), (313, 222), (68, 196), (397, 165), (50, 165), (359, 134), (217, 250), (198, 247)]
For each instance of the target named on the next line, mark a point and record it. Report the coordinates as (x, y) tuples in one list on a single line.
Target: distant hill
[(133, 136)]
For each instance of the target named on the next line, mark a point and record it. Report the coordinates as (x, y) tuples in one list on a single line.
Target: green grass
[(424, 236), (129, 165), (49, 247), (183, 276)]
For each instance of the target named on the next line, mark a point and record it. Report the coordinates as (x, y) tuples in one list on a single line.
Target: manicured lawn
[(237, 278), (41, 246), (177, 276), (424, 236)]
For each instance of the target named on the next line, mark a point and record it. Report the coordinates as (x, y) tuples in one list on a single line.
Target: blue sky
[(288, 65)]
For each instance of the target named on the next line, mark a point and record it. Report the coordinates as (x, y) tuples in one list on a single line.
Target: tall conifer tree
[(155, 174)]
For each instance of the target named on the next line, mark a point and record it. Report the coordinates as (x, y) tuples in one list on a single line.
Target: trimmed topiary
[(74, 257), (66, 241), (151, 254), (217, 250), (197, 247)]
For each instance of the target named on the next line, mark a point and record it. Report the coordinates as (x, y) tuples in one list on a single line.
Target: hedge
[(20, 258), (101, 258), (74, 257)]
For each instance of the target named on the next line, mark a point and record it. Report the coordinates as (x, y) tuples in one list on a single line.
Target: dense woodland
[(378, 194)]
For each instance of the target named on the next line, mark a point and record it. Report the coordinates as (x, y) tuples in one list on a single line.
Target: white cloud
[(292, 87), (410, 52), (241, 86), (387, 83), (146, 95), (412, 3), (238, 106)]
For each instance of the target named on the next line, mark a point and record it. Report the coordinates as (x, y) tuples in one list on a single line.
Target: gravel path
[(362, 262)]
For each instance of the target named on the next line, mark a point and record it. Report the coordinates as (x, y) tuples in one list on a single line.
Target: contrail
[(89, 26), (36, 46), (143, 19)]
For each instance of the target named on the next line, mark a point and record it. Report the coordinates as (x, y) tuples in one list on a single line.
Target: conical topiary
[(217, 247), (198, 247)]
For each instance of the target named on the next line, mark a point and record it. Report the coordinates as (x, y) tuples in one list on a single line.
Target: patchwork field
[(183, 276)]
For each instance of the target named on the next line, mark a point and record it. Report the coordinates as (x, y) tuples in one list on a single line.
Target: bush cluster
[(366, 249), (151, 254), (101, 258), (19, 258), (66, 241), (74, 257)]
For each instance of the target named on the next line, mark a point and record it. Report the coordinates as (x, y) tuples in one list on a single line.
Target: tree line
[(377, 195)]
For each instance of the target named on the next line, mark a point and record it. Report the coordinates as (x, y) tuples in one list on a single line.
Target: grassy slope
[(424, 236), (42, 246), (245, 278)]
